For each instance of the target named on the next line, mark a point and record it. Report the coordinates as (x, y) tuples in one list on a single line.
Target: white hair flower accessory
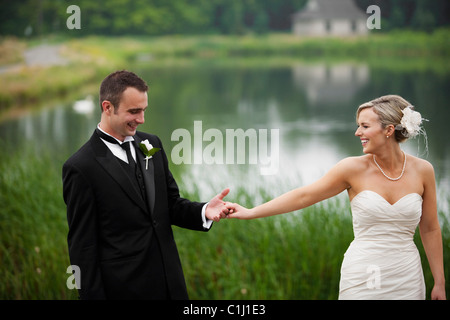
[(411, 122)]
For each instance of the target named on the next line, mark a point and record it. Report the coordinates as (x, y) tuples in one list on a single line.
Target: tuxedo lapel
[(147, 172), (111, 164)]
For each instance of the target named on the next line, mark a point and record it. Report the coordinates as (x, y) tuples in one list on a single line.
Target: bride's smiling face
[(370, 131)]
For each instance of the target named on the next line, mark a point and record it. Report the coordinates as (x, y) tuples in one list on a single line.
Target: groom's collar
[(127, 138)]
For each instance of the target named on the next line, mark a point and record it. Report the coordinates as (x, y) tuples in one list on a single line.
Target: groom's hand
[(216, 208)]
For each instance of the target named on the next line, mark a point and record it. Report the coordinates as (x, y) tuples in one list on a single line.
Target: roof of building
[(330, 9)]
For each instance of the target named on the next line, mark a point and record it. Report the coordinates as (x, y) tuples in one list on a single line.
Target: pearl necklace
[(392, 179)]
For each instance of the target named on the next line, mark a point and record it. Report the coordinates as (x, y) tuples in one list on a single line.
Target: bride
[(390, 194)]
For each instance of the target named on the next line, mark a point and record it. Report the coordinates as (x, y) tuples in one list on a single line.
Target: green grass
[(33, 252), (297, 256), (399, 43), (293, 256)]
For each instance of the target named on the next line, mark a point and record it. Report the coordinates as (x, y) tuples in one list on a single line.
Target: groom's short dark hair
[(115, 84)]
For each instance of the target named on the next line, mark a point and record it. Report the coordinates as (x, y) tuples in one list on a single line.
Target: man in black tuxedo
[(120, 210)]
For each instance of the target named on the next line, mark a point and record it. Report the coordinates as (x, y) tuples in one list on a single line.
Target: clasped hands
[(218, 209)]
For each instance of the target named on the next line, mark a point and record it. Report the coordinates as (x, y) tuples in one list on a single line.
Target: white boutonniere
[(148, 150)]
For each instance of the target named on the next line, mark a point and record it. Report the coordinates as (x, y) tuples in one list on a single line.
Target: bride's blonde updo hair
[(389, 110)]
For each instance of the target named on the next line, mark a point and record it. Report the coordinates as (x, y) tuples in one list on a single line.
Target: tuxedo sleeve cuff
[(206, 222)]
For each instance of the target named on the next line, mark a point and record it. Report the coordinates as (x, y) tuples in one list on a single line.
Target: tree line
[(158, 17)]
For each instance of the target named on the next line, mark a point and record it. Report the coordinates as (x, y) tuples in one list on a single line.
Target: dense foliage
[(156, 17)]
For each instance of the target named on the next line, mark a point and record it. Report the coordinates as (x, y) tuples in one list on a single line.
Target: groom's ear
[(107, 107)]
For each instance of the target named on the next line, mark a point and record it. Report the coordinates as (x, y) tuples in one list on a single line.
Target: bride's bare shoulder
[(355, 163), (350, 167), (420, 165)]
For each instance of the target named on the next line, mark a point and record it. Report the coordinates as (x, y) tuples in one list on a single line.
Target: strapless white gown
[(382, 261)]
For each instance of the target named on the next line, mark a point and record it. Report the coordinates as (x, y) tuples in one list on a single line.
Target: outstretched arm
[(333, 183)]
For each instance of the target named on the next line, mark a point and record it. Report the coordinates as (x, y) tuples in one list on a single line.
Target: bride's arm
[(331, 184), (430, 233)]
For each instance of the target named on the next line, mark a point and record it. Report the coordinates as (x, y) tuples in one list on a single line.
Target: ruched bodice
[(382, 262), (376, 220)]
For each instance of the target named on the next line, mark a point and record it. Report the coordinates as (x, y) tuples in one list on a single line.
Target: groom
[(120, 206)]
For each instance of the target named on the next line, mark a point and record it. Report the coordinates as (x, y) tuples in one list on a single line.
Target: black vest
[(136, 177)]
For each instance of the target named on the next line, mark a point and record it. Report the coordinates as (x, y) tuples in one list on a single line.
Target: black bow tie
[(124, 145)]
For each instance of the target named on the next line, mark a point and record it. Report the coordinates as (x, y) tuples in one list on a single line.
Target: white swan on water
[(85, 106)]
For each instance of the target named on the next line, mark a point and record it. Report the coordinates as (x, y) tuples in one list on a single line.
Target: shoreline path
[(43, 55)]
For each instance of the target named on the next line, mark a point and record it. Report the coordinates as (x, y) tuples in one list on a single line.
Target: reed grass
[(33, 252), (293, 256)]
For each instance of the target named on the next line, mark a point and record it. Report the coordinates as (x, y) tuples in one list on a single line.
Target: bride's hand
[(438, 293), (237, 211)]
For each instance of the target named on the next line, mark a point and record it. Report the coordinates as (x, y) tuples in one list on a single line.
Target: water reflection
[(313, 106), (326, 84)]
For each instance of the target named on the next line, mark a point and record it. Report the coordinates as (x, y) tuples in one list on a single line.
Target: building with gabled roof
[(330, 17)]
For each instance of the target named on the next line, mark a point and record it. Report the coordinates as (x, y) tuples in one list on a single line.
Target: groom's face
[(125, 118)]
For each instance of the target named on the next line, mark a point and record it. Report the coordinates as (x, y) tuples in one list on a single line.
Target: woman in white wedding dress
[(390, 194)]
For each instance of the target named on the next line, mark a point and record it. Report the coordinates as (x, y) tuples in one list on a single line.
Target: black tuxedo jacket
[(122, 242)]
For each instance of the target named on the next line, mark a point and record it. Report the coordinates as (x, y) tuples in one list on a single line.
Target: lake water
[(299, 118)]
